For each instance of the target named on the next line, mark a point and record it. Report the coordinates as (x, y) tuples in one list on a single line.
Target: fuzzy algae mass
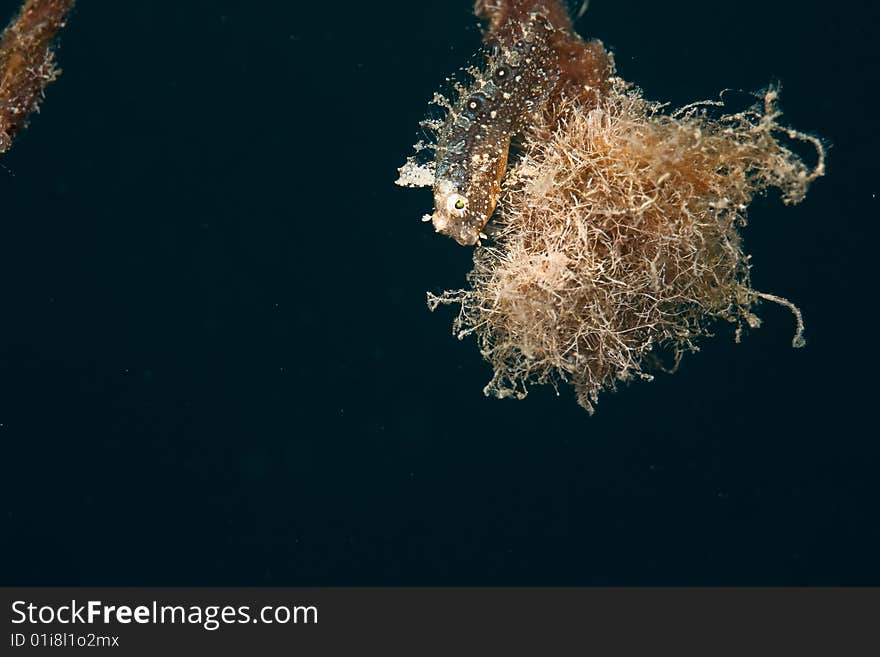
[(617, 239)]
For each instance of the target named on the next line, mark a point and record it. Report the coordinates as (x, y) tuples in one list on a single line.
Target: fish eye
[(456, 204), (502, 73)]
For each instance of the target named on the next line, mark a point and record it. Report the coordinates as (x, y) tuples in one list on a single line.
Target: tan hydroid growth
[(618, 242)]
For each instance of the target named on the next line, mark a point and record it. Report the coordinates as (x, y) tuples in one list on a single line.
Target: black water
[(217, 367)]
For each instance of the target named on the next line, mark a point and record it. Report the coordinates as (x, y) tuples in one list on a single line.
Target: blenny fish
[(474, 139), (472, 146), (536, 63)]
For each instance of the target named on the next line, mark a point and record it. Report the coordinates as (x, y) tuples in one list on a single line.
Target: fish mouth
[(462, 233), (466, 237)]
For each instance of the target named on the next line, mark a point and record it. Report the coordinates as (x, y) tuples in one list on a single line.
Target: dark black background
[(217, 367)]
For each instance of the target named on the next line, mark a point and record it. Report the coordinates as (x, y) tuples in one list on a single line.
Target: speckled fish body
[(473, 142)]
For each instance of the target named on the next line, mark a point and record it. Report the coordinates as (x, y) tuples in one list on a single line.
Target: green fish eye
[(459, 205)]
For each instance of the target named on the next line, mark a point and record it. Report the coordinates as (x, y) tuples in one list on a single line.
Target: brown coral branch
[(27, 63)]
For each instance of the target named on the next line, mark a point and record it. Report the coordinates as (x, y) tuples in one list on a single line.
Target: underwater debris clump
[(618, 240)]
